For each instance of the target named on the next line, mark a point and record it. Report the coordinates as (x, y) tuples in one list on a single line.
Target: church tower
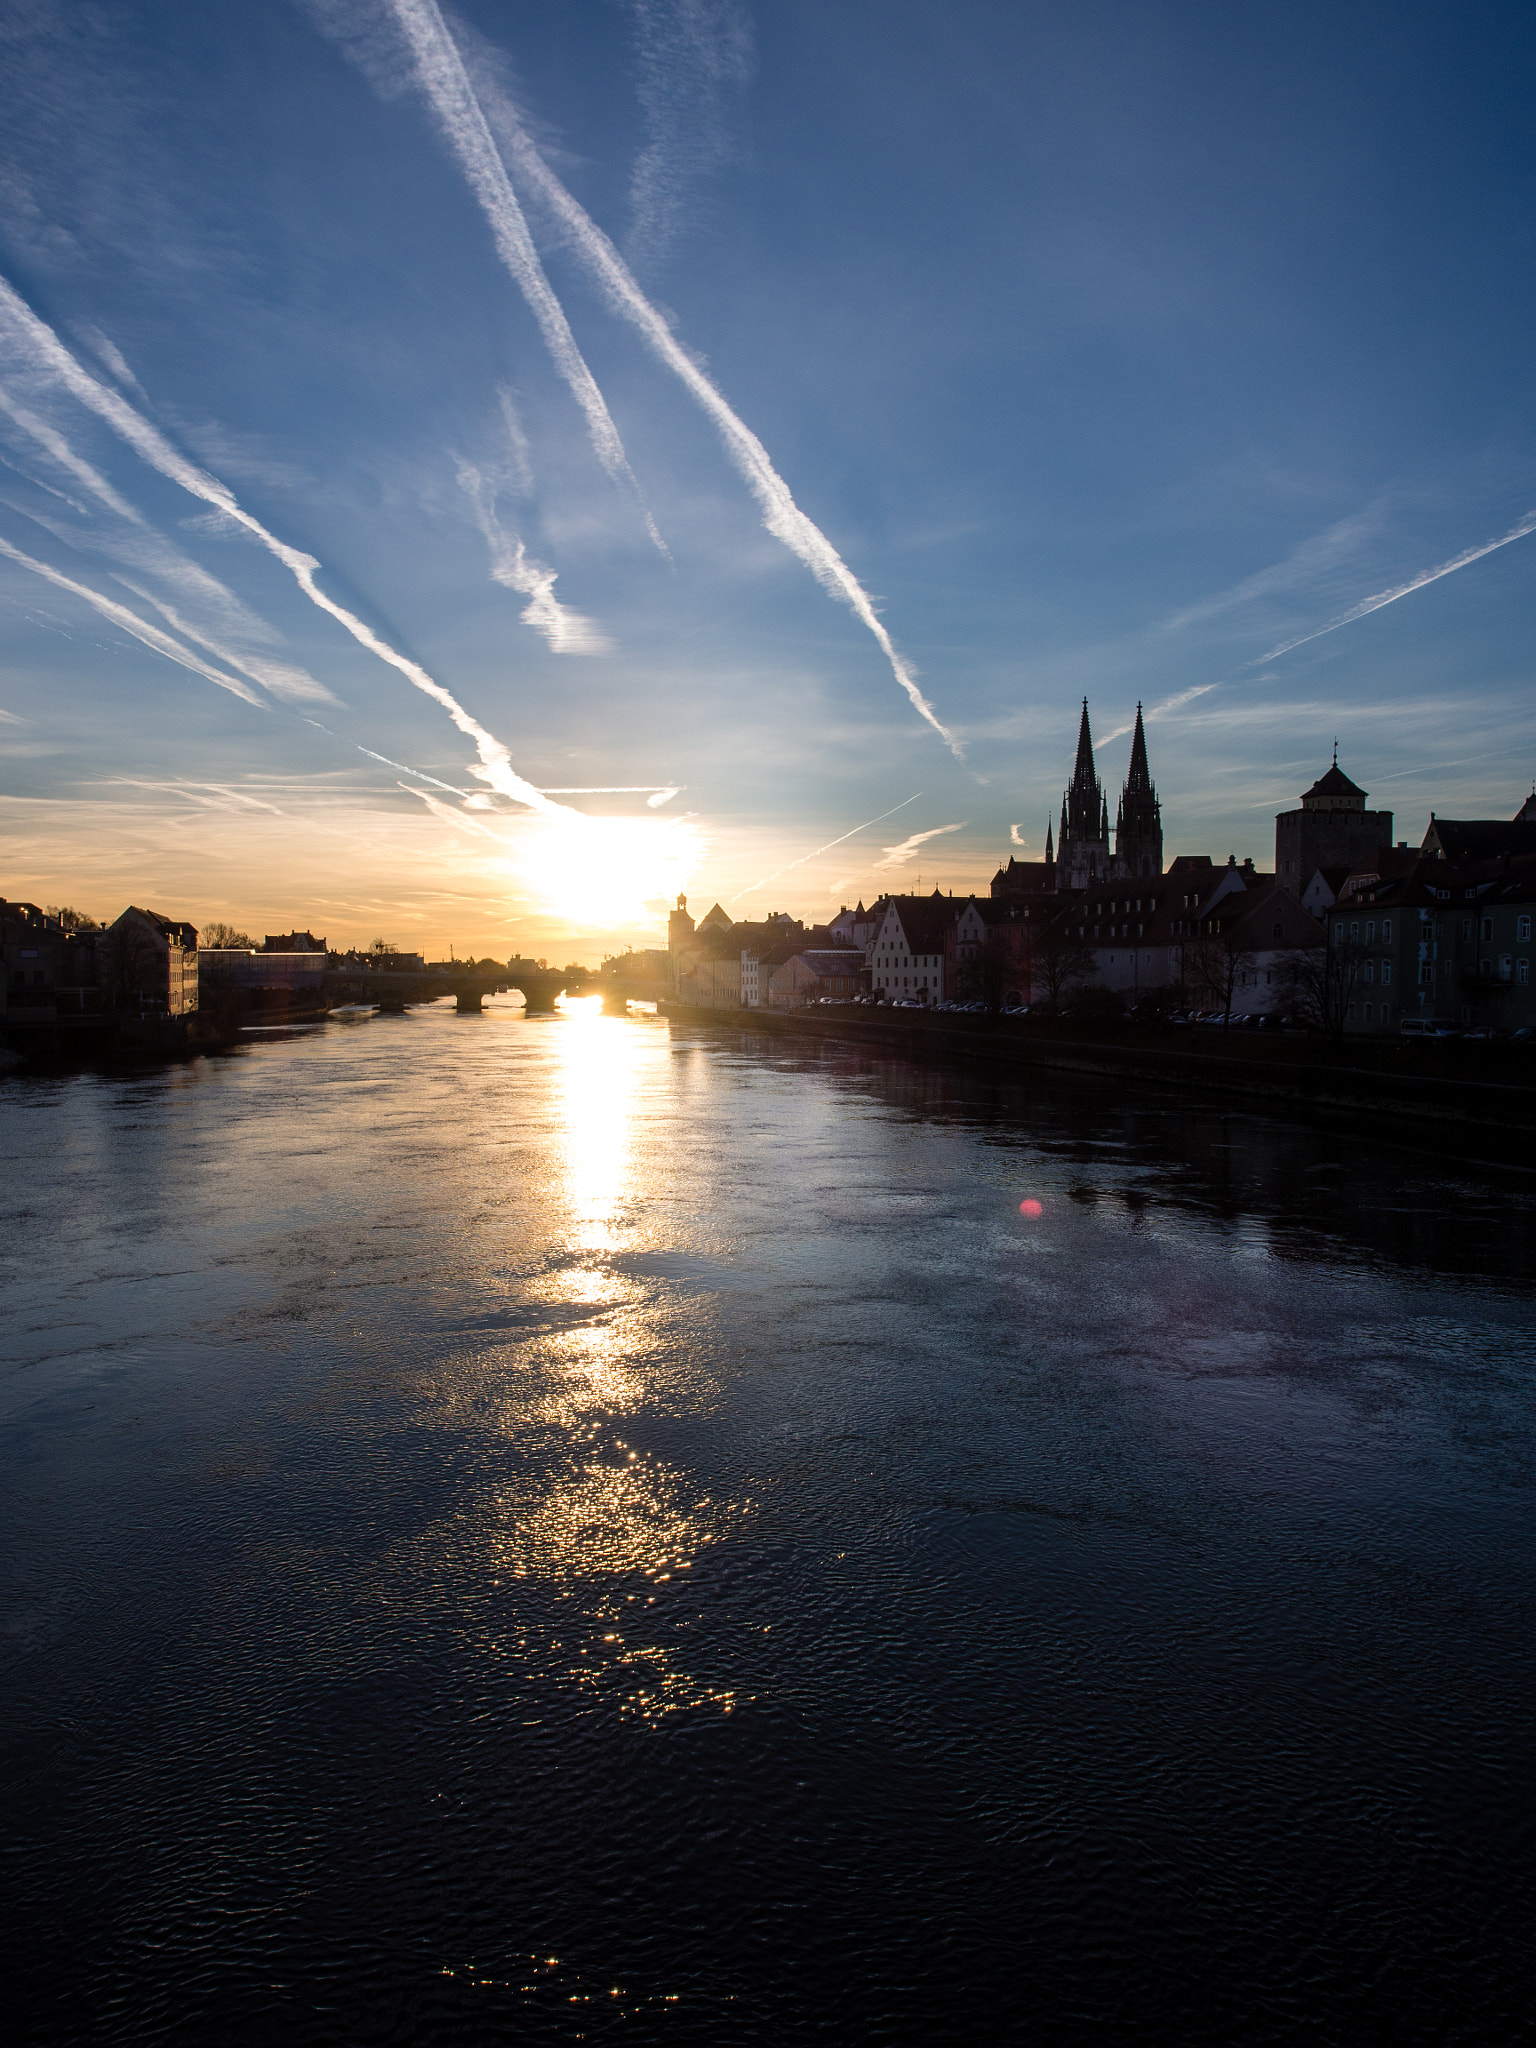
[(1082, 846), (1139, 822)]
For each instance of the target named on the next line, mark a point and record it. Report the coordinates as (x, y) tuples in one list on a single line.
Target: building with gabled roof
[(906, 954)]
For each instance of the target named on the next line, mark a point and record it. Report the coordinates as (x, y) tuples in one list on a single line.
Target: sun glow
[(603, 872)]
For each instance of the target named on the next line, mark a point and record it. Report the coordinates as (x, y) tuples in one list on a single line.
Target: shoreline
[(1304, 1076)]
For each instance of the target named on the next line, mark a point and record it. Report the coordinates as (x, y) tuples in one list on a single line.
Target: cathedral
[(1079, 854)]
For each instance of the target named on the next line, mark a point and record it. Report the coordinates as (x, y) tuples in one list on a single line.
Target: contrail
[(898, 856), (800, 863), (512, 566), (1385, 597), (49, 353), (1159, 710), (441, 71), (434, 48), (54, 442), (120, 615)]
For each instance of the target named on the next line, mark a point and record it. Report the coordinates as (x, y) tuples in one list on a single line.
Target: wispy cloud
[(441, 75), (694, 57), (1385, 597), (566, 631), (21, 331), (800, 863), (53, 444), (781, 515), (1313, 559), (898, 856), (130, 622), (1158, 711)]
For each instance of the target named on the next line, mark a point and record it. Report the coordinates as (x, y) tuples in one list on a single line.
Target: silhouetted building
[(1139, 822), (147, 964), (1082, 847), (1332, 829), (292, 942)]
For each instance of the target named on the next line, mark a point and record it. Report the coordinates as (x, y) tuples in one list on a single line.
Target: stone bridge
[(392, 991)]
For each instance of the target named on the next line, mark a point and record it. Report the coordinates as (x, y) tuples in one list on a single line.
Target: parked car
[(1427, 1027)]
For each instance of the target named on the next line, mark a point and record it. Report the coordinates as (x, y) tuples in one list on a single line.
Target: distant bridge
[(394, 991)]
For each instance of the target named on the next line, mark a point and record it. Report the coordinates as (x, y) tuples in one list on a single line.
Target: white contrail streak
[(282, 678), (566, 631), (440, 69), (120, 615), (1158, 711), (1386, 597), (800, 863), (434, 48), (50, 439), (49, 354), (898, 856)]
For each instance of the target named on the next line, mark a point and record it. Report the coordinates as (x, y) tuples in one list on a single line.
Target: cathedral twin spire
[(1082, 850)]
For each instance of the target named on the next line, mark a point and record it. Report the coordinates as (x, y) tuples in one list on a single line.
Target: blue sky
[(1108, 350)]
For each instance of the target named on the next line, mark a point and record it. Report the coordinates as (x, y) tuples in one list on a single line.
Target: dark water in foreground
[(568, 1530)]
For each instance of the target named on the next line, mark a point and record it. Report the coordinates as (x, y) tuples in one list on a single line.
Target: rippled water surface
[(534, 1531)]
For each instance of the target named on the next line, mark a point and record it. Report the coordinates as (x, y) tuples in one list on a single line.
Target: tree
[(1059, 961), (1216, 960), (381, 946), (1320, 983), (226, 937), (72, 920)]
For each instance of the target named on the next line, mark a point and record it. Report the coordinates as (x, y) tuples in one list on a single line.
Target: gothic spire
[(1050, 849), (1084, 780), (1139, 780)]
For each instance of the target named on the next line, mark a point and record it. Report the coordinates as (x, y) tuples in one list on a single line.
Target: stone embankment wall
[(1490, 1088)]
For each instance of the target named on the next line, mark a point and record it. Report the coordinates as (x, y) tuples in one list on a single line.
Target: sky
[(469, 475)]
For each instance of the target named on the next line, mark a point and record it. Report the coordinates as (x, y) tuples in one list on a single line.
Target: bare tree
[(1059, 961), (1215, 962), (226, 937), (1320, 983)]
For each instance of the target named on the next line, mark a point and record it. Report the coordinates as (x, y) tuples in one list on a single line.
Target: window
[(1386, 972), (1504, 967), (1426, 973), (1279, 931), (1370, 931), (1338, 935), (1386, 933), (1370, 970), (1367, 1013), (1466, 927), (1522, 927), (1354, 930), (1523, 971), (1487, 928)]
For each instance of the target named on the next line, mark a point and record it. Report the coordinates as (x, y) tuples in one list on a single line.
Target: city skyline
[(752, 437)]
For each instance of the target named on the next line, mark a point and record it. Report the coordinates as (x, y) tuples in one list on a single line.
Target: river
[(540, 1530)]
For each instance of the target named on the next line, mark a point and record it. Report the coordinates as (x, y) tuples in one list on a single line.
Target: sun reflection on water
[(616, 1531)]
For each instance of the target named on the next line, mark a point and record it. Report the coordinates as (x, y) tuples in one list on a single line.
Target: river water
[(540, 1530)]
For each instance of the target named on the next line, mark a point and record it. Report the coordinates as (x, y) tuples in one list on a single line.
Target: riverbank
[(1485, 1088)]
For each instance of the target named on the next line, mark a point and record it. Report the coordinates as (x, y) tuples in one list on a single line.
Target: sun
[(602, 872)]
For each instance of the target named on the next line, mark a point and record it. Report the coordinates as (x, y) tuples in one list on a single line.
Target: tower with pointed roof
[(1331, 829), (1139, 821), (1082, 845)]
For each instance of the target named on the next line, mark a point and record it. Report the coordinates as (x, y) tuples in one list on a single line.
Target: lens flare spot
[(1030, 1207)]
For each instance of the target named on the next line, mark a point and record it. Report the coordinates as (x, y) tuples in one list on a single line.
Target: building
[(1082, 846), (906, 954), (46, 970), (147, 964), (1332, 829), (794, 975), (857, 927), (1445, 943), (988, 949), (292, 942), (1460, 840), (1139, 820)]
